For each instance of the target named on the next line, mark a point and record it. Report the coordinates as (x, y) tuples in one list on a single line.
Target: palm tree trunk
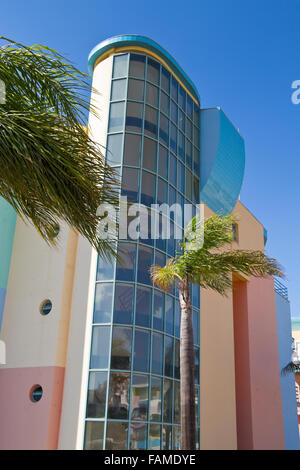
[(187, 378)]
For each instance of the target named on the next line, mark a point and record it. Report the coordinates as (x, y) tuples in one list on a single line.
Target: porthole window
[(36, 393), (46, 307)]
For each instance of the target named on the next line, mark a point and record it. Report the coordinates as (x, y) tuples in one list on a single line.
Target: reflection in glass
[(132, 149), (163, 162), (143, 306), (176, 438), (103, 303), (174, 88), (105, 269), (116, 436), (167, 438), (135, 90), (172, 170), (114, 149), (100, 347), (177, 359), (137, 65), (181, 98), (139, 397), (150, 121), (121, 348), (134, 116), (197, 366), (177, 402), (118, 90), (188, 184), (189, 107), (120, 66), (138, 436), (165, 80), (116, 117), (162, 191), (154, 436), (181, 146), (158, 311), (188, 153), (174, 112), (144, 264), (164, 103), (173, 138), (164, 130), (126, 265), (123, 308), (157, 353), (149, 155), (96, 395), (155, 400), (196, 326), (177, 319), (169, 313), (118, 397), (94, 435), (168, 357), (141, 351)]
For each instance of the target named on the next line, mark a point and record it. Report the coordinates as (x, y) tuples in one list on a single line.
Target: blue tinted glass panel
[(177, 319), (130, 183), (152, 95), (164, 103), (173, 138), (181, 121), (103, 303), (181, 98), (165, 80), (143, 306), (189, 107), (134, 117), (149, 154), (141, 351), (123, 308), (197, 365), (181, 177), (148, 188), (174, 89), (196, 326), (188, 153), (162, 191), (121, 348), (137, 65), (126, 266), (105, 269), (174, 112), (116, 117), (153, 71), (100, 347), (164, 130), (144, 264), (118, 90), (181, 146), (196, 161), (157, 353), (96, 395), (135, 90), (156, 399), (132, 149), (120, 66), (172, 170), (196, 296), (114, 149), (169, 313), (150, 121), (139, 398), (163, 162), (158, 311)]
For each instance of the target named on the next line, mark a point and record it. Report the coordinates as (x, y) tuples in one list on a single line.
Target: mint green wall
[(8, 219)]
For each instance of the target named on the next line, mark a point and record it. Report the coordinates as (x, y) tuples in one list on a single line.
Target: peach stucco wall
[(30, 425), (258, 390)]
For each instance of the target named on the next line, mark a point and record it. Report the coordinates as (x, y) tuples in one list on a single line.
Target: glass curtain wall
[(133, 399)]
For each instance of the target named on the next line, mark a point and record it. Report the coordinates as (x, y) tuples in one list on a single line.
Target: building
[(296, 358), (92, 349)]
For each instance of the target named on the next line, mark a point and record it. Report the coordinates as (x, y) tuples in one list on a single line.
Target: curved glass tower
[(152, 138)]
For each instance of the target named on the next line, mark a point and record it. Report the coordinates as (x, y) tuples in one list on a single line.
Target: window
[(116, 436), (141, 351), (123, 308), (126, 266), (174, 112), (181, 146), (118, 90), (45, 307), (157, 353), (196, 326), (167, 438), (100, 347), (155, 401), (177, 319), (163, 162), (143, 306), (162, 191), (174, 89), (118, 397), (164, 130), (130, 183), (139, 397), (121, 348), (94, 435), (96, 395), (168, 359), (169, 314), (103, 303), (189, 106), (153, 71), (181, 177), (154, 437), (164, 103), (144, 264), (172, 170), (135, 90), (137, 66), (177, 402), (132, 149), (188, 184), (148, 189), (152, 95), (196, 295), (168, 401), (149, 154), (134, 116), (173, 138), (197, 365), (36, 393), (138, 436), (116, 117), (181, 98), (105, 270), (177, 359), (158, 311), (181, 121), (165, 80), (120, 66), (150, 121)]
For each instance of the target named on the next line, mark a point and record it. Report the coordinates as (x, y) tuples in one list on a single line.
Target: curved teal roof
[(147, 43)]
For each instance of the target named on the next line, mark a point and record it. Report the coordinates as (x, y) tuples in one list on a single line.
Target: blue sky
[(243, 55)]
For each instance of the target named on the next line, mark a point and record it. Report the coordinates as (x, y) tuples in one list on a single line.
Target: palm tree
[(50, 168), (202, 262)]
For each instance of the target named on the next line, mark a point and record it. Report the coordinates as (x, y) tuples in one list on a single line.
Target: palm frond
[(291, 367), (165, 276), (50, 168)]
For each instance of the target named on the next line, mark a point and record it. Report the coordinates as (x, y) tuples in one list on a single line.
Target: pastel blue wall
[(8, 219), (288, 392), (222, 161)]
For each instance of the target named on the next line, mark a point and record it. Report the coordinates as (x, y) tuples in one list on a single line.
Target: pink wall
[(258, 391), (24, 424)]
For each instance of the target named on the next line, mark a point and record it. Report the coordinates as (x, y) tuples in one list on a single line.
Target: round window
[(36, 393), (46, 307)]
